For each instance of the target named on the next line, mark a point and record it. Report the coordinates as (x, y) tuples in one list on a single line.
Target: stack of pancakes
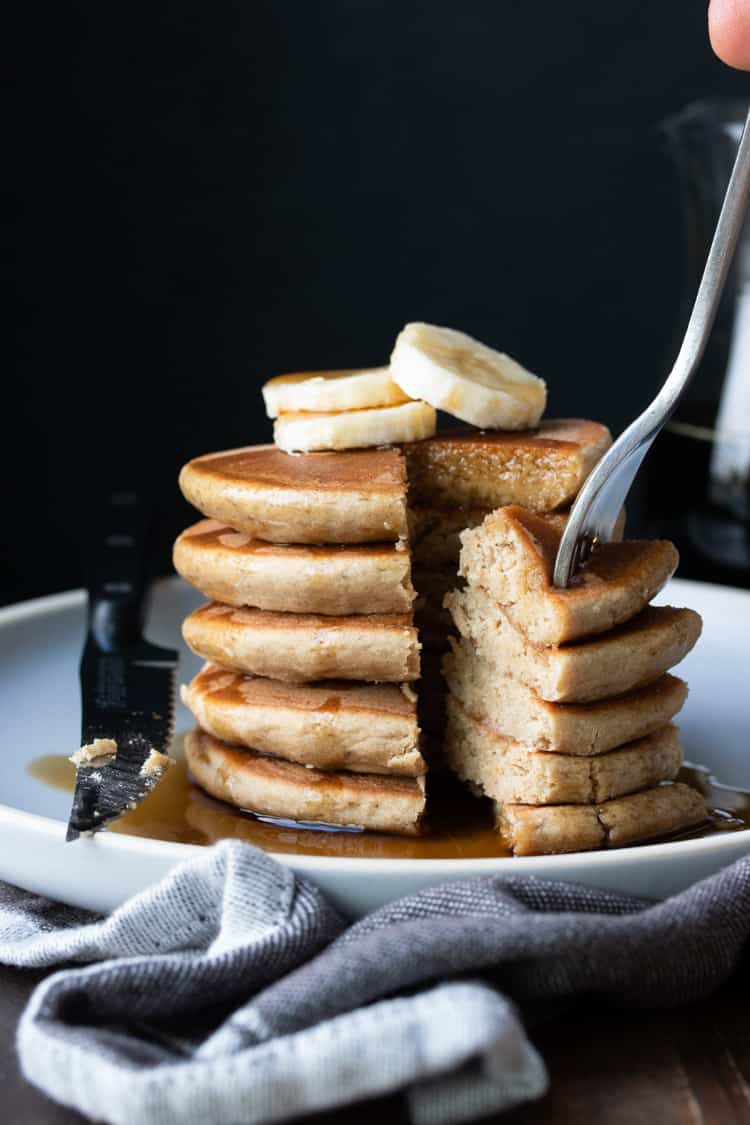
[(455, 480), (304, 705), (560, 702)]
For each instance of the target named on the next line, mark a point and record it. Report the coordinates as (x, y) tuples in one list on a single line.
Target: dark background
[(214, 193)]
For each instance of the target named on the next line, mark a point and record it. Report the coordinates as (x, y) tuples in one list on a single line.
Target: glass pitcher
[(698, 482)]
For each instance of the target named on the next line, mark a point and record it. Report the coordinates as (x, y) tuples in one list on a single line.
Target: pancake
[(507, 706), (546, 830), (627, 657), (506, 770), (435, 535), (230, 567), (367, 728), (511, 556), (344, 497), (303, 646), (540, 469), (271, 787)]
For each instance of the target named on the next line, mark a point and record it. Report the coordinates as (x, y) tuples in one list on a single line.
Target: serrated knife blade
[(127, 683)]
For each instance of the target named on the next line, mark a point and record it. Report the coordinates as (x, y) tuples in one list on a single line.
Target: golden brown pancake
[(435, 534), (272, 787), (231, 567), (627, 657), (540, 469), (509, 707), (508, 771), (511, 556), (299, 647), (357, 496), (545, 830), (368, 728)]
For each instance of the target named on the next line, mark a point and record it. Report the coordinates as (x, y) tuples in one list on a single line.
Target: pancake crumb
[(94, 752), (156, 762)]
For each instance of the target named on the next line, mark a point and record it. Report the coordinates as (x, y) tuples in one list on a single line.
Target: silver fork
[(594, 514)]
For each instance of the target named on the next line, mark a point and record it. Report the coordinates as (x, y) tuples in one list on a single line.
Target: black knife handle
[(116, 571)]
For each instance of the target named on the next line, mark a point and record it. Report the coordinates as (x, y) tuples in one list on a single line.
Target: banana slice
[(354, 389), (353, 429), (456, 373)]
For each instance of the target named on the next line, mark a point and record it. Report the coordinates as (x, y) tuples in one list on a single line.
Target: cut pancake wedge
[(509, 707), (230, 567), (628, 657), (435, 534), (533, 830), (511, 556), (507, 771), (348, 497), (271, 787), (300, 647), (370, 728)]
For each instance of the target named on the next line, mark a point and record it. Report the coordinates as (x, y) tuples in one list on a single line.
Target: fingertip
[(729, 31)]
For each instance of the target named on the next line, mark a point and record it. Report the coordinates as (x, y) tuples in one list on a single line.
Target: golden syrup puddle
[(461, 825)]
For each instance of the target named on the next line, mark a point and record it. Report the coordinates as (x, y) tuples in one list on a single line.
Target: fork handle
[(116, 571)]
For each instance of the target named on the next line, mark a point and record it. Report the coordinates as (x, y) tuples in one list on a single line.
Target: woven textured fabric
[(233, 991)]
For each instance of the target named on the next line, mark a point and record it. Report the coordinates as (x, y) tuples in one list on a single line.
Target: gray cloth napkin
[(233, 992)]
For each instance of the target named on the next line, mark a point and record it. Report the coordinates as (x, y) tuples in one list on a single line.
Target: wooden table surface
[(684, 1066)]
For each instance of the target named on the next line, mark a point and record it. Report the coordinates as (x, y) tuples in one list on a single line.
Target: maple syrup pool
[(460, 826)]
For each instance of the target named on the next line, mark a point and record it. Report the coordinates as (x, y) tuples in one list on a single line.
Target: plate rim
[(453, 867), (173, 849)]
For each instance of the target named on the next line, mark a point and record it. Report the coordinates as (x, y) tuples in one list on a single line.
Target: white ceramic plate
[(40, 643)]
